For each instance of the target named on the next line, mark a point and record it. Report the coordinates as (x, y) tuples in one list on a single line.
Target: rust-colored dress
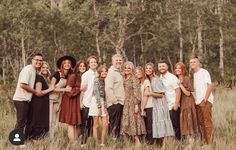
[(70, 103), (188, 117), (132, 124)]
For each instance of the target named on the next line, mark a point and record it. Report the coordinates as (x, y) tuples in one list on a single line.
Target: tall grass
[(224, 118)]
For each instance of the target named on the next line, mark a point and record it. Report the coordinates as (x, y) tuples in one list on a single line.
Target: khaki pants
[(53, 117), (204, 116)]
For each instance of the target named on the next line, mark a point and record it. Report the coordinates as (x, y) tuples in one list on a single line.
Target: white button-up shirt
[(171, 82), (87, 80)]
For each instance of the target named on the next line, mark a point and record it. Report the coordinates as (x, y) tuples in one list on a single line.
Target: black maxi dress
[(38, 115)]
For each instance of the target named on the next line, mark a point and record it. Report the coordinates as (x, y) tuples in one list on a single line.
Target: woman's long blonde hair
[(141, 70), (153, 70)]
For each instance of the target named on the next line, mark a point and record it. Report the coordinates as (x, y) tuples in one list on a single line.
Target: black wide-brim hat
[(60, 60)]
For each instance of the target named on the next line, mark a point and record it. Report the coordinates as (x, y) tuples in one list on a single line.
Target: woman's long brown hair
[(62, 70), (76, 71)]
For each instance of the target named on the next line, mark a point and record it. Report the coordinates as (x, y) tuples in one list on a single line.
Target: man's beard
[(163, 72)]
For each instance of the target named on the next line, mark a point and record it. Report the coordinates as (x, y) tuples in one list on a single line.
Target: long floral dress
[(132, 123)]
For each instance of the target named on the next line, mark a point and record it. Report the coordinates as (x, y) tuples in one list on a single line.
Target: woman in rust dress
[(188, 117), (70, 104), (132, 123)]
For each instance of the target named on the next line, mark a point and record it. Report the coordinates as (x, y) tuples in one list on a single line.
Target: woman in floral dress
[(132, 122)]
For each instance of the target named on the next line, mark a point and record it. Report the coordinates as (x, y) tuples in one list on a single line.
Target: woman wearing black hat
[(59, 79)]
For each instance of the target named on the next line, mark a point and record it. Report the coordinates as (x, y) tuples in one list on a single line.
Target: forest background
[(139, 30)]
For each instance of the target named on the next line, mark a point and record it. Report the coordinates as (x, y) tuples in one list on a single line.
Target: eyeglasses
[(38, 59)]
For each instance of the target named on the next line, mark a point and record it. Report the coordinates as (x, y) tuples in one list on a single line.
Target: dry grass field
[(224, 117)]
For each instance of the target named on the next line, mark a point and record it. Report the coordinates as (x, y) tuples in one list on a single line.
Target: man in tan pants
[(204, 99)]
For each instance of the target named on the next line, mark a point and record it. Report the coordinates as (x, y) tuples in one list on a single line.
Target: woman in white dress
[(98, 108)]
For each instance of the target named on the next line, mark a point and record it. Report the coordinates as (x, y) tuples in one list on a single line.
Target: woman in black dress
[(38, 118)]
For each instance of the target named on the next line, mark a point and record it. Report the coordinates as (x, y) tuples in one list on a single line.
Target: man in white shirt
[(203, 99), (25, 90), (172, 95), (87, 84), (115, 94)]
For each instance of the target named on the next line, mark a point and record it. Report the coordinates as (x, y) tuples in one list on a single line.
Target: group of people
[(128, 101)]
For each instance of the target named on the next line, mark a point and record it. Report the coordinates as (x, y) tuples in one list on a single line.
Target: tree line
[(140, 30)]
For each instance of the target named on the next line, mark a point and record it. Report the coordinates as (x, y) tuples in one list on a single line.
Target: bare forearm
[(28, 88), (157, 95), (145, 99), (208, 91), (44, 92), (178, 94), (83, 88), (185, 91), (59, 90)]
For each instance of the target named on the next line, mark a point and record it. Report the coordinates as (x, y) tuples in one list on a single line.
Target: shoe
[(102, 145), (22, 146), (205, 147), (83, 145), (114, 138)]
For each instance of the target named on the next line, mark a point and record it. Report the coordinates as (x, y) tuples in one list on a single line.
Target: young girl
[(59, 79), (98, 106), (146, 102), (38, 118), (188, 116), (70, 104), (162, 126)]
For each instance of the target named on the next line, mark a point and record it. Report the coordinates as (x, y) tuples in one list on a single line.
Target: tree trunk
[(171, 65), (23, 52), (4, 69), (55, 60), (134, 55), (53, 4), (61, 2), (180, 36), (96, 13), (98, 48), (199, 35), (143, 5), (142, 50), (15, 69), (191, 40), (104, 57), (221, 40)]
